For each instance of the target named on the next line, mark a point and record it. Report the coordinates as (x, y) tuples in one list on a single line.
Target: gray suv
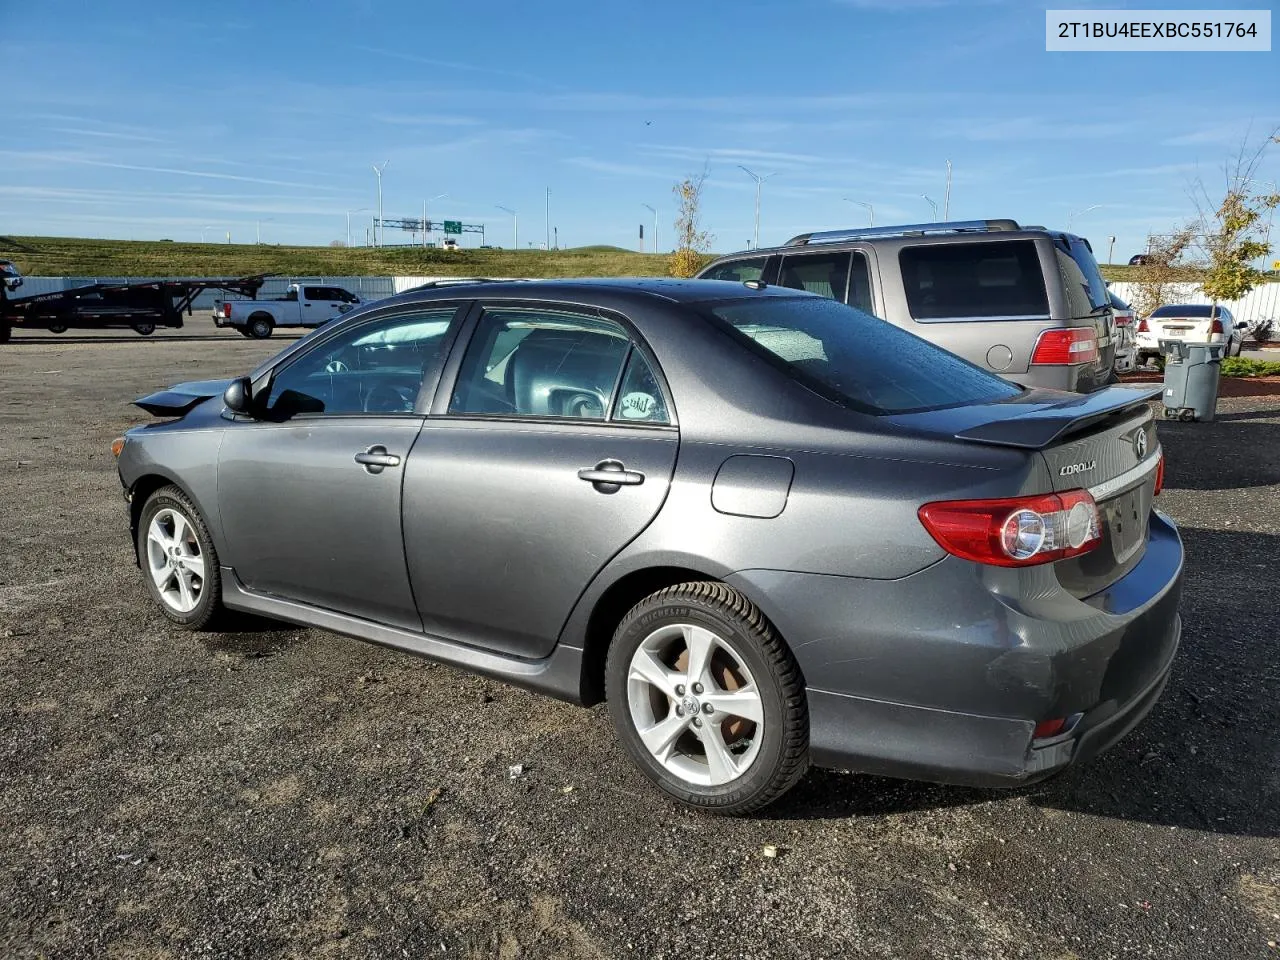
[(1026, 303)]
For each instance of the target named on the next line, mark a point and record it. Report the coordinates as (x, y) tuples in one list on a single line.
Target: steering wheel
[(387, 399), (336, 366)]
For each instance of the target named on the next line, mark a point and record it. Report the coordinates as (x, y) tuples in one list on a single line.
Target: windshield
[(856, 359)]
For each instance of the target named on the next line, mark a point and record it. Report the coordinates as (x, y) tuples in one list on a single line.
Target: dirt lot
[(286, 792)]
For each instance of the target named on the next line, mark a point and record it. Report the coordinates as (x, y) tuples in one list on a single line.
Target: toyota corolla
[(766, 528)]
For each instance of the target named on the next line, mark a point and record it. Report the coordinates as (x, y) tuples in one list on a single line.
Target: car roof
[(613, 289), (911, 238)]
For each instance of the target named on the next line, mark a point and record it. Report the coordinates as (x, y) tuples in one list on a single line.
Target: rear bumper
[(943, 675)]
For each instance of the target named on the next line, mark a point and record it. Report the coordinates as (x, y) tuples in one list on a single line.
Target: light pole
[(377, 172), (871, 211), (349, 213), (1080, 213), (925, 198), (547, 245), (202, 230), (1111, 248), (654, 238), (425, 222), (755, 242), (515, 226), (946, 197), (258, 225)]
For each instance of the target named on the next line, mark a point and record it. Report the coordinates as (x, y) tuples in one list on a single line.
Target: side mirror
[(237, 396), (1242, 325)]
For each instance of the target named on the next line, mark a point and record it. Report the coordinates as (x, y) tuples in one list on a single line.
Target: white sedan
[(1193, 322)]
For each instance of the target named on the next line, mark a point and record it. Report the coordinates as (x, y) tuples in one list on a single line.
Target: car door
[(550, 447), (309, 491)]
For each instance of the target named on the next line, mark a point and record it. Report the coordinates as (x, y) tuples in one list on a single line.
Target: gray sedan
[(767, 528)]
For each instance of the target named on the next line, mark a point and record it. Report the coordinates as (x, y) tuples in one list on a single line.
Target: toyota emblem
[(1140, 444)]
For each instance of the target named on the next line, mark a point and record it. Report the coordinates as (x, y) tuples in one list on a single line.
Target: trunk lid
[(1102, 442)]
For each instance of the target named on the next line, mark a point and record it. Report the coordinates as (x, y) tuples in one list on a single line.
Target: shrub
[(1248, 367)]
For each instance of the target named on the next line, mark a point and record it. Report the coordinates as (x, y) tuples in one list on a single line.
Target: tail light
[(1160, 474), (1123, 320), (1142, 326), (1215, 327), (1015, 531), (1068, 345), (226, 311)]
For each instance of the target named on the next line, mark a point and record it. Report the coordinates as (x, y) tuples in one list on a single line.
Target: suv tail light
[(1015, 531), (226, 311), (1068, 345), (1142, 326), (1215, 327)]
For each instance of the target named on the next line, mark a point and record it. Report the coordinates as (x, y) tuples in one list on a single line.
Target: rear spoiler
[(178, 400), (1043, 425)]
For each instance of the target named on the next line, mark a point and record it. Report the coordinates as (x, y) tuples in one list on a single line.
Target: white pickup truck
[(305, 305)]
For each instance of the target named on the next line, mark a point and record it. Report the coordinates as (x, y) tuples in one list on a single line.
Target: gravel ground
[(285, 792)]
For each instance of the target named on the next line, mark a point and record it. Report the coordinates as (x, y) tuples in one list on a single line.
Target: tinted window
[(372, 368), (1082, 281), (640, 398), (826, 274), (535, 362), (1117, 302), (855, 359), (737, 270), (1204, 310), (318, 293), (956, 281)]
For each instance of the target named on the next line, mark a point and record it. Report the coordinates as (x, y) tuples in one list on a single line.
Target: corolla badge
[(1071, 469)]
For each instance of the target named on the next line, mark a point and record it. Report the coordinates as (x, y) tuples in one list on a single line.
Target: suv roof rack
[(910, 229)]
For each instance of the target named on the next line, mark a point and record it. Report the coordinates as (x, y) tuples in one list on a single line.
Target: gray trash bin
[(1191, 372)]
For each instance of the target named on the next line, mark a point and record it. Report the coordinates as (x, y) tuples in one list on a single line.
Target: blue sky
[(148, 120)]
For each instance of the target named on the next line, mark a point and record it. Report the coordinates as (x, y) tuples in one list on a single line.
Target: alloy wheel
[(175, 561), (695, 705)]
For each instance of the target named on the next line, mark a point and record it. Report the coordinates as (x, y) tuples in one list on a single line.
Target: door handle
[(609, 476), (376, 459)]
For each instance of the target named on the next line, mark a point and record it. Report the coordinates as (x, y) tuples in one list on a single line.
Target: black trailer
[(142, 305)]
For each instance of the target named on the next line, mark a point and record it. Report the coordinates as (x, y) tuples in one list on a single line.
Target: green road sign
[(453, 226)]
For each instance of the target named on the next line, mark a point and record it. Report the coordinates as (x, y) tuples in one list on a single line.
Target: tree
[(1165, 265), (1232, 234), (337, 243), (692, 242)]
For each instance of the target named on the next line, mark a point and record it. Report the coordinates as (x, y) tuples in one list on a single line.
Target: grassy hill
[(64, 256)]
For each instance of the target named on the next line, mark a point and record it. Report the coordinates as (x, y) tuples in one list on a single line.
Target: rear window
[(1117, 303), (855, 359), (1204, 310), (963, 281)]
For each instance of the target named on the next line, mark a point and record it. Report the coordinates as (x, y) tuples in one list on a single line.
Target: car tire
[(6, 332), (260, 326), (144, 329), (57, 328), (671, 718), (191, 593)]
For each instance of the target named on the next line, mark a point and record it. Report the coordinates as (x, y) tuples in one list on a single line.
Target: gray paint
[(483, 548)]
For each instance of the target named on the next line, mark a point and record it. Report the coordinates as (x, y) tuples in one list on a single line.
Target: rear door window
[(738, 270), (826, 274), (998, 280)]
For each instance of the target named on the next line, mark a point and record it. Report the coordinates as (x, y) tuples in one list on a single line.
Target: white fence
[(1263, 302)]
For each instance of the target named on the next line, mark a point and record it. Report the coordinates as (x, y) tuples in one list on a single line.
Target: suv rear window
[(1086, 290), (962, 281), (855, 359)]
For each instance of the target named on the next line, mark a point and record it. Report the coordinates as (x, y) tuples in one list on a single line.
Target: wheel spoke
[(701, 644), (156, 535), (744, 703), (161, 575), (720, 762), (661, 737), (184, 589), (645, 666), (180, 532)]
